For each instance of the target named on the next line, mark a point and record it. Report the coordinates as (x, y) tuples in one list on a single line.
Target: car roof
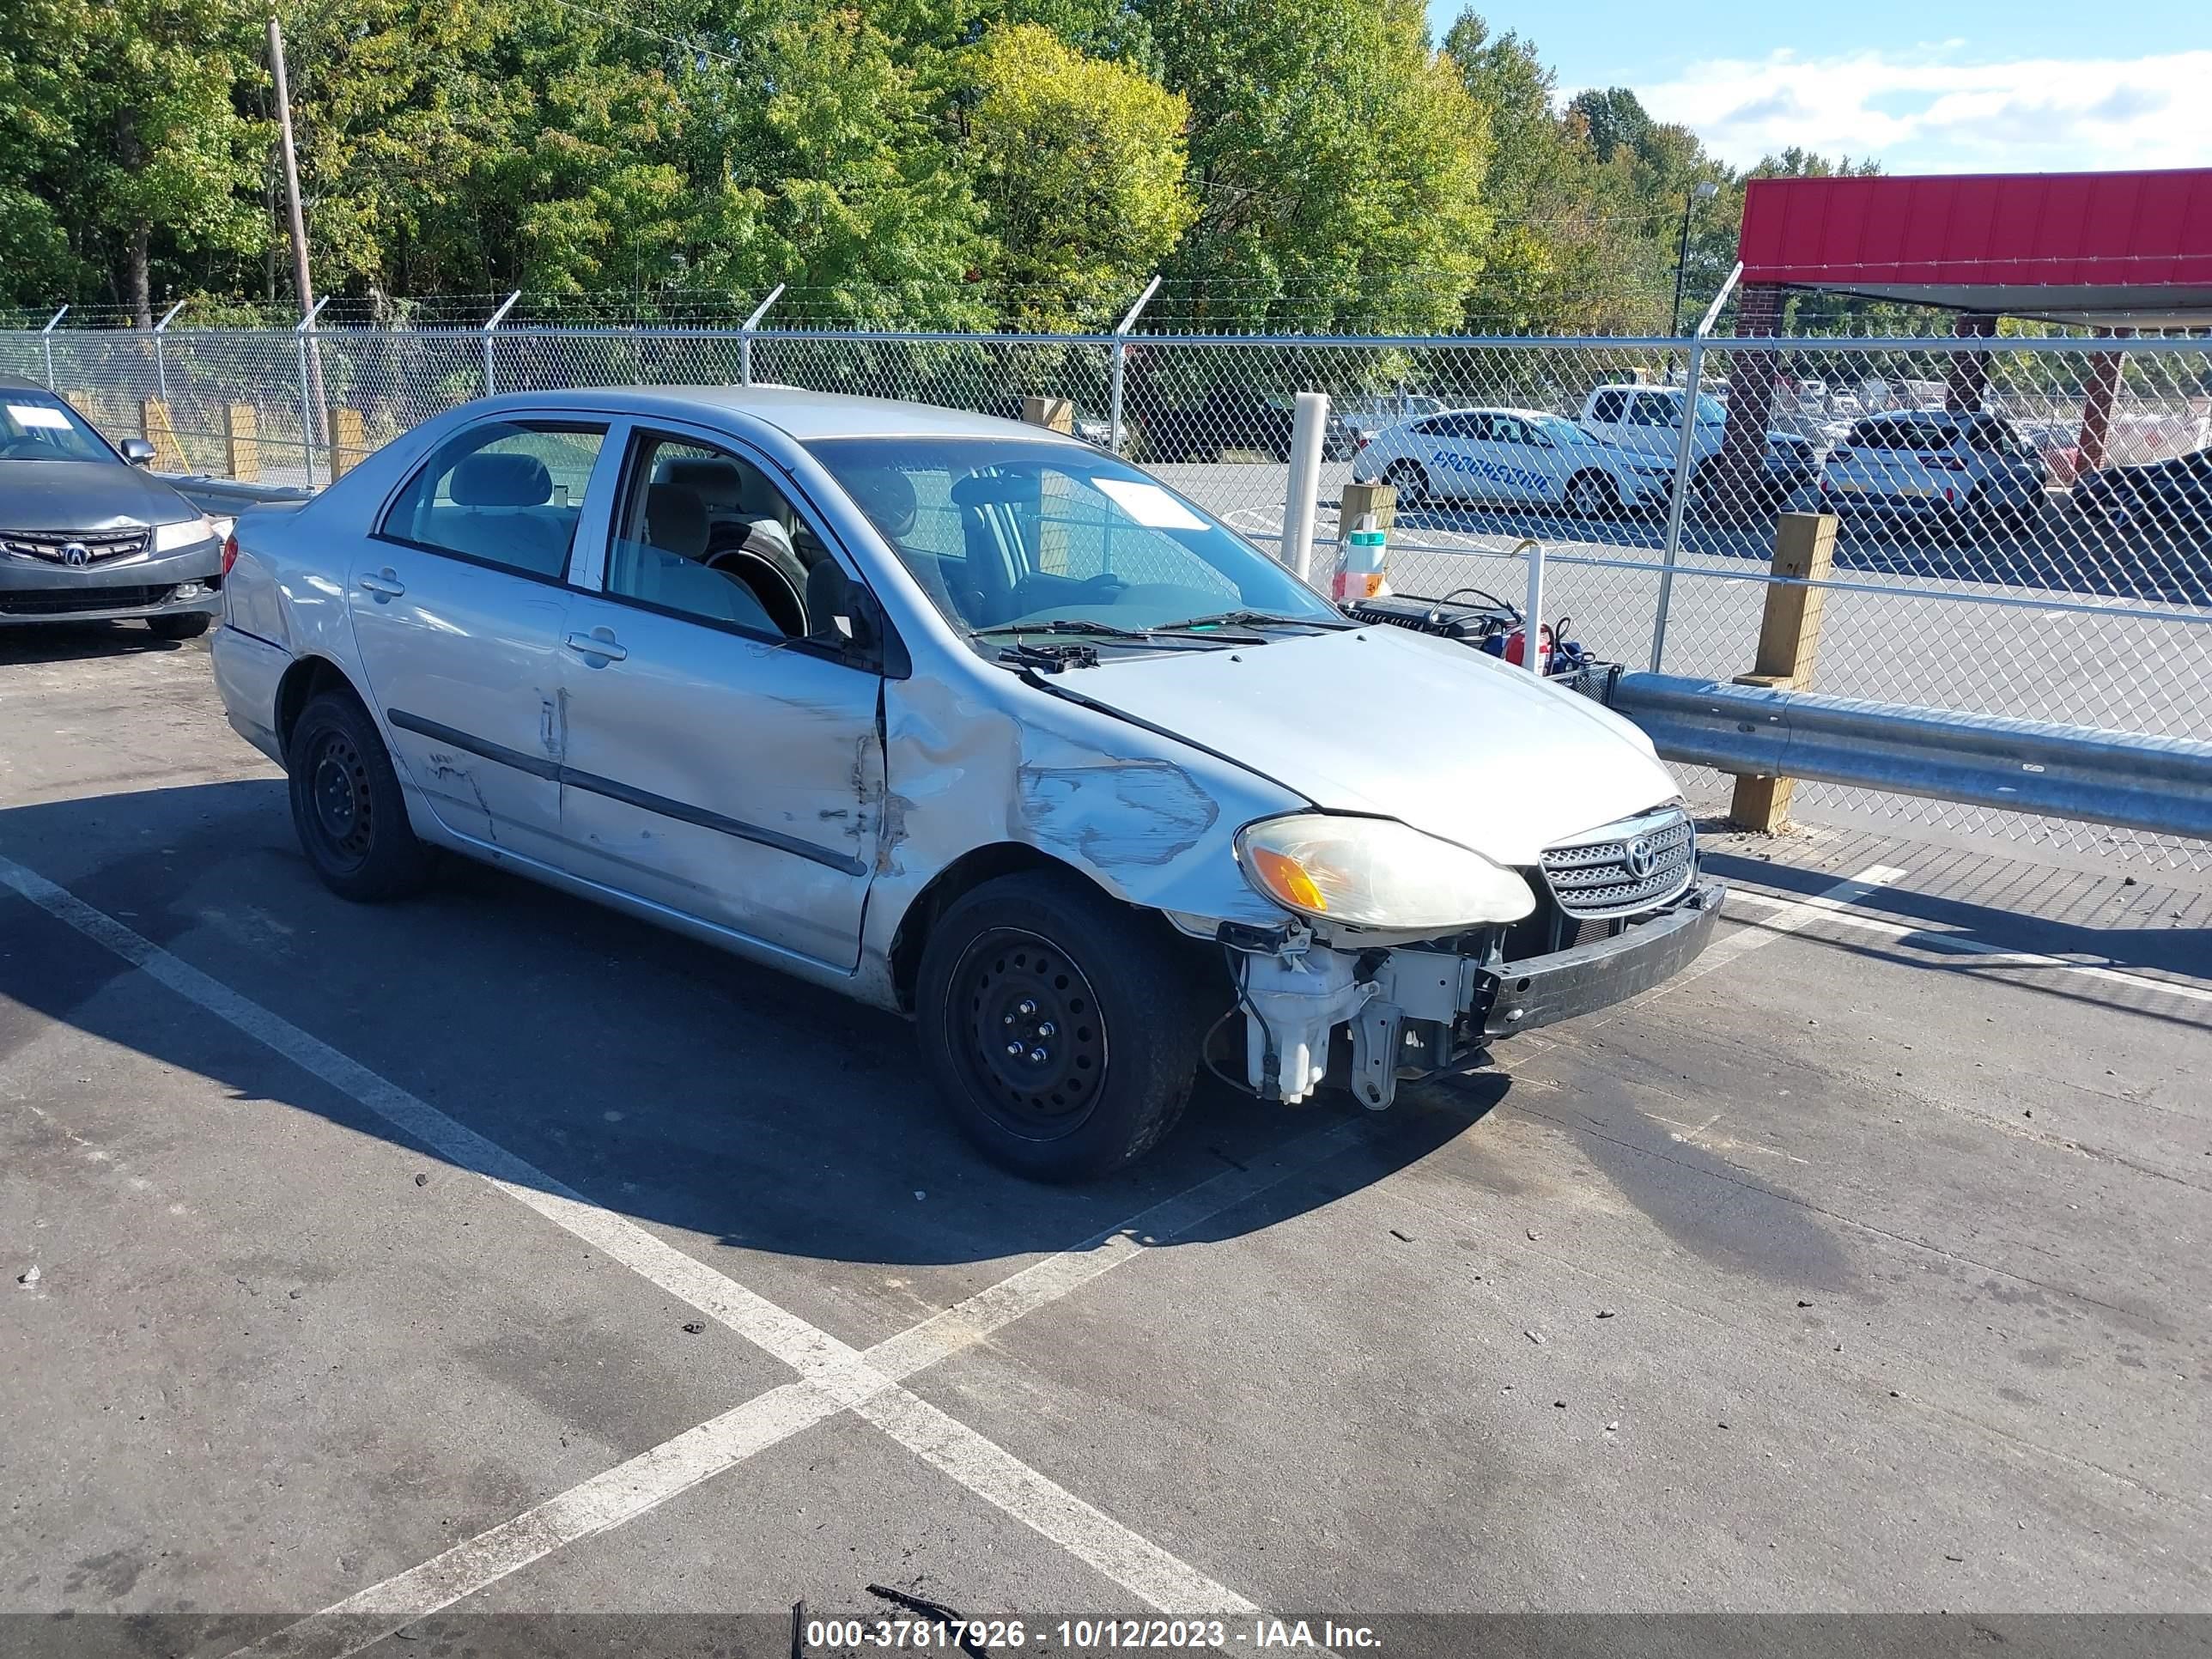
[(17, 383), (800, 415)]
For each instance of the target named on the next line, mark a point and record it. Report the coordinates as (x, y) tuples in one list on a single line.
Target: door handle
[(600, 642), (383, 584)]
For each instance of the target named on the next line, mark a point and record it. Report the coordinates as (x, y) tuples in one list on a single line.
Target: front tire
[(188, 627), (347, 806), (1063, 1028), (1592, 496)]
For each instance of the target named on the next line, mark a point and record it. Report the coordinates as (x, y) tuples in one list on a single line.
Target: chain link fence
[(2025, 524)]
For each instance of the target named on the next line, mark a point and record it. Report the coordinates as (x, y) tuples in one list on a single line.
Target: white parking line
[(1753, 936), (1828, 907), (835, 1375)]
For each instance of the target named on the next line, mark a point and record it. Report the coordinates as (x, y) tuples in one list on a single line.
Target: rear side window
[(506, 493), (1652, 410), (1608, 405)]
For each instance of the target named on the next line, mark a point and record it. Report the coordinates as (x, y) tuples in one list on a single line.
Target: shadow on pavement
[(79, 642), (658, 1077)]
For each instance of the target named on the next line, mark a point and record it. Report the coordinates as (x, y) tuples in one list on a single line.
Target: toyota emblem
[(1639, 857), (76, 553)]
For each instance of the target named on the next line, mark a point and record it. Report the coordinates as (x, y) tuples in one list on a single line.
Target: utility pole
[(302, 283)]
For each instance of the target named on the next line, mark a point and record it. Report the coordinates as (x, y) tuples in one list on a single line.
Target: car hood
[(85, 495), (1385, 721)]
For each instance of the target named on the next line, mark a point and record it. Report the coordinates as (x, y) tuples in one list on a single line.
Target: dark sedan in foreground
[(86, 535), (2172, 497)]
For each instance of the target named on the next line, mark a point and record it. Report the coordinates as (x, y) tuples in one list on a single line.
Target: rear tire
[(1063, 1028), (189, 627), (347, 806), (1410, 481)]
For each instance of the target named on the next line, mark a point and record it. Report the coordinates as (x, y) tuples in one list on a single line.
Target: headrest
[(717, 484), (675, 520), (886, 496), (501, 480)]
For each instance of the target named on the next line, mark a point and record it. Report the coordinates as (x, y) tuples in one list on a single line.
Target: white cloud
[(1924, 111)]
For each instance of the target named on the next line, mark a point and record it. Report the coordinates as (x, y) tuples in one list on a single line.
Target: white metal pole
[(46, 339), (491, 322), (745, 334), (1121, 363), (1685, 452), (160, 362), (1307, 425), (1532, 617), (304, 327)]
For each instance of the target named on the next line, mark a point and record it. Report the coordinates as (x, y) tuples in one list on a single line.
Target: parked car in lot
[(86, 535), (1930, 465), (2172, 497), (1044, 756), (1646, 422), (1510, 454), (1230, 418), (1367, 416)]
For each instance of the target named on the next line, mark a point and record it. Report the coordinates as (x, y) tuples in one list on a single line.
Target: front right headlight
[(191, 532), (1376, 873)]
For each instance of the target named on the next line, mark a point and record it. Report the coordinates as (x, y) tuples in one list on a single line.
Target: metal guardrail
[(2163, 785)]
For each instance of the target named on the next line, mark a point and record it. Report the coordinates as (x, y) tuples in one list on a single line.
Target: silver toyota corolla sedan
[(962, 717)]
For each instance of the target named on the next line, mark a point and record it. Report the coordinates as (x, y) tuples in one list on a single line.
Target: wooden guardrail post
[(1789, 641), (161, 432), (1054, 414), (349, 442), (241, 442)]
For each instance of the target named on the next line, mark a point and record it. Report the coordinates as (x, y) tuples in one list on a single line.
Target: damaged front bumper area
[(1409, 1012)]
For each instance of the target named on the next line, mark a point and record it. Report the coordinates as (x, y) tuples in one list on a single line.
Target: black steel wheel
[(1592, 496), (1062, 1027), (1036, 1053), (347, 806)]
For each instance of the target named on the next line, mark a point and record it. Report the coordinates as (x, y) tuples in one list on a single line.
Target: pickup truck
[(1647, 420)]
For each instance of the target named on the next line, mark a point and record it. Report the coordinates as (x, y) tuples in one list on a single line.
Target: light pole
[(1704, 190)]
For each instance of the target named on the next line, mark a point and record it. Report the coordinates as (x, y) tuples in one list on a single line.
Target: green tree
[(125, 119), (1338, 163), (1079, 166)]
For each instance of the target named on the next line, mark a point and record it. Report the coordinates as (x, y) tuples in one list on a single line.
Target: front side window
[(506, 493), (707, 534), (999, 530), (1608, 406), (36, 426)]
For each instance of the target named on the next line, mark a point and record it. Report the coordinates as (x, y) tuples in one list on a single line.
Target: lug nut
[(1044, 1028), (1037, 1056), (1025, 1008), (1013, 1048)]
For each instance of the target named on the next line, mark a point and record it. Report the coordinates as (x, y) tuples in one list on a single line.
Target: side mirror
[(138, 451)]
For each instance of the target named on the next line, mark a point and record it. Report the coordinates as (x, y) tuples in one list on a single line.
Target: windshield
[(1712, 412), (1003, 531), (35, 426), (1561, 430)]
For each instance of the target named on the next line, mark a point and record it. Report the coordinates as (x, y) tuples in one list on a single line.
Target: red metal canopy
[(2115, 249)]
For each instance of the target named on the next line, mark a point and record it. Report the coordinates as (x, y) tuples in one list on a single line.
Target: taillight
[(1363, 441), (229, 551)]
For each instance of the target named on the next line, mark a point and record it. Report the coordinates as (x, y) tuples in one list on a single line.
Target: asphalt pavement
[(490, 1254)]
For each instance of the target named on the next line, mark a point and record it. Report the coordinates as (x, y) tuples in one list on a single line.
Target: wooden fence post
[(1789, 641), (242, 433), (349, 442), (161, 432)]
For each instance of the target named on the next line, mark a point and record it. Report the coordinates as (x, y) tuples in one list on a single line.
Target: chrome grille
[(1596, 875), (52, 545)]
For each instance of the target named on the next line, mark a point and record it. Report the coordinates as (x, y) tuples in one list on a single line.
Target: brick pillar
[(1968, 375), (1751, 376), (2103, 391)]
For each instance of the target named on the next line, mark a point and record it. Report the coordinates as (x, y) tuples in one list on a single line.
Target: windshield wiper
[(1062, 625), (1253, 619)]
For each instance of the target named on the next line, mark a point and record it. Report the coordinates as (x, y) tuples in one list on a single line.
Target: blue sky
[(1954, 86)]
